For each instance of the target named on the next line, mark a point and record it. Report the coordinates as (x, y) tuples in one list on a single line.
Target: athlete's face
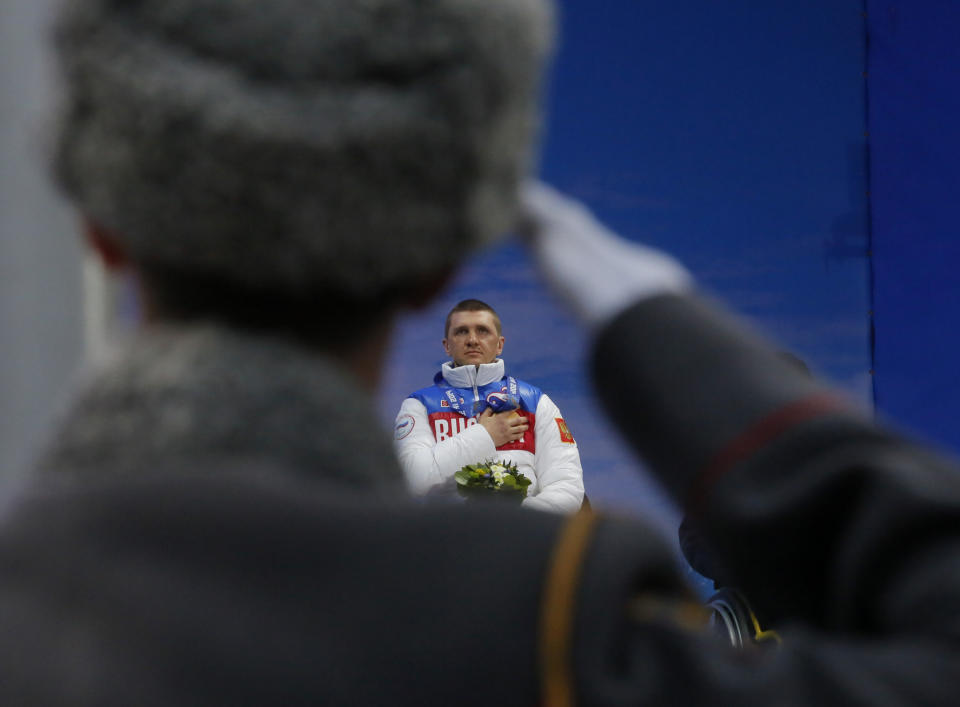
[(472, 338)]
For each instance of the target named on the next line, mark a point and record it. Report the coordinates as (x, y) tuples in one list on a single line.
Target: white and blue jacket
[(437, 433)]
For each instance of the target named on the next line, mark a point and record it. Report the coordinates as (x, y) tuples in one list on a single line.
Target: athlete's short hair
[(472, 305)]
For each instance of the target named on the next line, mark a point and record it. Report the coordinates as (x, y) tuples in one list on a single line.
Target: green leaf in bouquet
[(492, 480)]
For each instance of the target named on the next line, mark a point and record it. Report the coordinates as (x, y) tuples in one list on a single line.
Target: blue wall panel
[(731, 134), (915, 146)]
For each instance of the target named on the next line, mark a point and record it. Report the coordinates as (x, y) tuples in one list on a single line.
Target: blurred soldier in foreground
[(175, 584)]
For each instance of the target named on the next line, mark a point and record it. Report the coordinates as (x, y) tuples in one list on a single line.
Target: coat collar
[(470, 376), (185, 393)]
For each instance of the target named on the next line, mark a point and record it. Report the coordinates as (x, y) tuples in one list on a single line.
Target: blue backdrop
[(731, 134), (915, 183)]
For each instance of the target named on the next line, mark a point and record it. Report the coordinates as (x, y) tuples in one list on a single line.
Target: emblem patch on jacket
[(565, 435), (404, 427)]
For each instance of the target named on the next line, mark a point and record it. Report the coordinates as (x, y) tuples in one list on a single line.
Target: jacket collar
[(182, 393), (470, 376)]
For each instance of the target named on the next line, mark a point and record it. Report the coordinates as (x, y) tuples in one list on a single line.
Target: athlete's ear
[(500, 346), (446, 349), (106, 245)]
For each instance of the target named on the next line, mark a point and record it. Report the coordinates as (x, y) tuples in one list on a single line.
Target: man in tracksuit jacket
[(475, 413)]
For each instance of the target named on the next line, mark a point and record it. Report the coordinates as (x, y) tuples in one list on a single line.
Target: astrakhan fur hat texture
[(294, 144)]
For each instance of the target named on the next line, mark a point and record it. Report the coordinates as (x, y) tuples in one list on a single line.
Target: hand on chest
[(458, 409)]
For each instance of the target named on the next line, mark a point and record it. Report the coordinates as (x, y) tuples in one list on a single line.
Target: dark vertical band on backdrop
[(871, 291)]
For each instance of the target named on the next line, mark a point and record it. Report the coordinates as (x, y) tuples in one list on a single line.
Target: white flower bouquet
[(493, 480)]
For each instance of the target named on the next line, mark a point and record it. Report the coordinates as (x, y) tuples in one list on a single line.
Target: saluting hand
[(595, 271), (503, 427)]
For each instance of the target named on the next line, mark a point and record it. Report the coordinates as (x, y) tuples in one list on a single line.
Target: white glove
[(597, 273)]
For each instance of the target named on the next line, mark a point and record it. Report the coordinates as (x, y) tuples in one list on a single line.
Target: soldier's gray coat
[(208, 393)]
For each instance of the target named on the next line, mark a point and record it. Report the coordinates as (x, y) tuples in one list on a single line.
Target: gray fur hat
[(296, 144)]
